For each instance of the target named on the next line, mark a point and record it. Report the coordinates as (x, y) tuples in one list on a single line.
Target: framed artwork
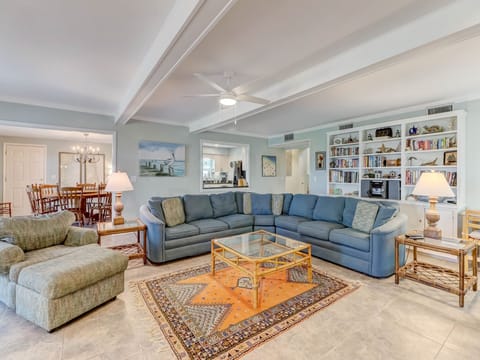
[(69, 169), (450, 158), (158, 158), (269, 165), (320, 158)]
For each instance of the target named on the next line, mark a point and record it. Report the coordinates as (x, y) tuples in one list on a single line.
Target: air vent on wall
[(440, 109), (288, 137), (345, 126)]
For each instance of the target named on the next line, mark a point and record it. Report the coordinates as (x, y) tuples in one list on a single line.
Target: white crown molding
[(157, 121)]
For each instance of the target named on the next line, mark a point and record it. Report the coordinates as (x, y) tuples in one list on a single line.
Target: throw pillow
[(303, 205), (287, 200), (385, 213), (197, 207), (277, 204), (155, 206), (349, 211), (247, 203), (173, 211), (329, 208), (364, 217), (223, 204), (261, 204)]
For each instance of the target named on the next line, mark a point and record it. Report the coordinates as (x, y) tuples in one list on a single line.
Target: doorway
[(24, 164), (297, 170)]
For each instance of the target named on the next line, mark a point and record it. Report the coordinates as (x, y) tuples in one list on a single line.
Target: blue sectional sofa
[(351, 232)]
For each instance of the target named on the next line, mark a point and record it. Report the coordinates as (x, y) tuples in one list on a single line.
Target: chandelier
[(86, 153)]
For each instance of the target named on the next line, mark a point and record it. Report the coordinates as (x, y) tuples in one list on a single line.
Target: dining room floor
[(380, 320)]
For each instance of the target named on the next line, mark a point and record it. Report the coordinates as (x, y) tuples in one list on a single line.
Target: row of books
[(379, 161), (344, 151), (411, 176), (434, 144), (344, 163), (350, 177)]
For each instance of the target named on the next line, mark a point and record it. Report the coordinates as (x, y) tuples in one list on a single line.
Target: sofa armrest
[(80, 236), (9, 255), (382, 246), (155, 235)]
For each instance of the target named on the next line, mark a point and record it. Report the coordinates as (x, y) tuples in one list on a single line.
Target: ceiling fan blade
[(202, 95), (253, 99), (209, 82)]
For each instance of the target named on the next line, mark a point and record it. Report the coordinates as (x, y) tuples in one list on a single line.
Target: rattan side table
[(133, 250), (456, 282)]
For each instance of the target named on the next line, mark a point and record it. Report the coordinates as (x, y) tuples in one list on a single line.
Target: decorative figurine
[(369, 137), (397, 133), (413, 130)]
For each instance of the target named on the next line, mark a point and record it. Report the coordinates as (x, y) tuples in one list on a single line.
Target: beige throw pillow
[(173, 211)]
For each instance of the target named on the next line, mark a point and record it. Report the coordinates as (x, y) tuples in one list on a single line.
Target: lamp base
[(118, 220), (433, 233)]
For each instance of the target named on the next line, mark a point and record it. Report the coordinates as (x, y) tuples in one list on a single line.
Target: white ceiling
[(317, 61)]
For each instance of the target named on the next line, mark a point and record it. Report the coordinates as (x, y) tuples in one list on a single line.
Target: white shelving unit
[(406, 148)]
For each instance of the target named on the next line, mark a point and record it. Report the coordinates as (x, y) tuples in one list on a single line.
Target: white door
[(24, 164), (296, 179)]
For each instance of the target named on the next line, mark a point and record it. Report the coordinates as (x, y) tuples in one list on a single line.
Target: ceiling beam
[(188, 22), (370, 56)]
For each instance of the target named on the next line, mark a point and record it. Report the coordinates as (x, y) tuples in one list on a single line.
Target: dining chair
[(71, 200), (471, 229), (6, 209), (101, 209), (33, 193), (49, 198), (87, 186)]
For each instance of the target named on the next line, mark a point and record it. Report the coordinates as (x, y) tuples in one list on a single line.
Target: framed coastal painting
[(269, 165), (158, 158)]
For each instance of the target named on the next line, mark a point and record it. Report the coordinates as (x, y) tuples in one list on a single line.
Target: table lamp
[(117, 183), (433, 185)]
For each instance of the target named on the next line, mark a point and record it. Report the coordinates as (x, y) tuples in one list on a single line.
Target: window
[(224, 165)]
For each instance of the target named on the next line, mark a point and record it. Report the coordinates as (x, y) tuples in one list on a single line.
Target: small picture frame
[(269, 165), (320, 158), (450, 158)]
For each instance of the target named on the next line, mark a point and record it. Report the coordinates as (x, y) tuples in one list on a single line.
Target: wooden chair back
[(6, 209), (87, 186), (71, 200), (471, 224), (49, 198), (33, 193)]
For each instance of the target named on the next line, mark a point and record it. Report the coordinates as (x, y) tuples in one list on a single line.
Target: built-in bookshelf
[(386, 160)]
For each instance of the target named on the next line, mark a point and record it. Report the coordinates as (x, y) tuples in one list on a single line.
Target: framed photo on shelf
[(269, 165), (320, 157), (450, 158)]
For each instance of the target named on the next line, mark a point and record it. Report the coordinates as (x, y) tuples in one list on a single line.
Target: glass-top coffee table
[(260, 253)]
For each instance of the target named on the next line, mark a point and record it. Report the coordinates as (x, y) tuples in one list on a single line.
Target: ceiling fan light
[(227, 100)]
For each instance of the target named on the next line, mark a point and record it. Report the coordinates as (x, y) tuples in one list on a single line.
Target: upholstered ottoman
[(52, 292)]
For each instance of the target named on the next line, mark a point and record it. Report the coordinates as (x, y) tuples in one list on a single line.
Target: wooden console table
[(134, 250), (456, 282)]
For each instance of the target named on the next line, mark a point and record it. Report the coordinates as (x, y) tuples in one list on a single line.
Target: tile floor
[(380, 320)]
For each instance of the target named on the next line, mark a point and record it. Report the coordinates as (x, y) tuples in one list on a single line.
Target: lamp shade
[(119, 182), (433, 184)]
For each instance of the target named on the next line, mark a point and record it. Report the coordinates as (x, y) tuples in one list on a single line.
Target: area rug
[(212, 317)]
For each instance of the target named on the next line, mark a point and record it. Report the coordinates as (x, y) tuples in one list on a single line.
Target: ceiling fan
[(228, 96)]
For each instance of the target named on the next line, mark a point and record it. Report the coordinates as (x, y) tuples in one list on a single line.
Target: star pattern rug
[(212, 317)]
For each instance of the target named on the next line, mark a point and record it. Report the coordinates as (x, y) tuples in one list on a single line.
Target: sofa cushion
[(277, 204), (364, 217), (264, 220), (209, 225), (289, 222), (329, 208), (9, 255), (237, 220), (287, 200), (197, 207), (173, 211), (36, 232), (223, 204), (302, 205), (349, 211), (247, 203), (318, 229), (385, 213), (261, 204), (181, 231), (351, 238), (155, 207), (61, 276), (239, 201)]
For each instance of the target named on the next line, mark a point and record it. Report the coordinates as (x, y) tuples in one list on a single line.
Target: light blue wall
[(318, 138), (128, 137)]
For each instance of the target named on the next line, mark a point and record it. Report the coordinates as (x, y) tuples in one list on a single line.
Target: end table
[(134, 250)]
